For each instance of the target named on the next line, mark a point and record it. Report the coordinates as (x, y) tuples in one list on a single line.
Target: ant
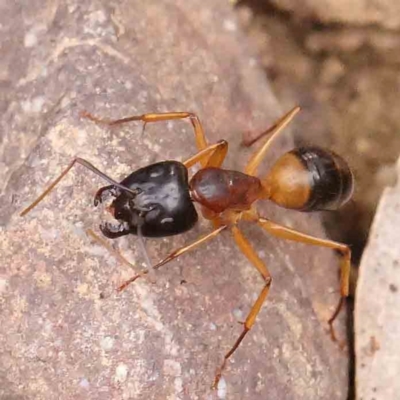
[(157, 200)]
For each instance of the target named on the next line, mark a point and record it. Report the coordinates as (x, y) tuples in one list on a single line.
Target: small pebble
[(238, 314), (221, 389), (3, 285), (107, 343), (121, 373), (84, 383), (30, 39)]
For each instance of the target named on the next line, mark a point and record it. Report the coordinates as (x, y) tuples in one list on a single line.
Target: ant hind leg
[(344, 250), (273, 131)]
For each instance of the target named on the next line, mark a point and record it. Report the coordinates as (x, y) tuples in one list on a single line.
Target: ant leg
[(218, 156), (201, 141), (173, 255), (274, 131), (249, 252), (291, 234), (250, 142), (212, 156), (87, 165)]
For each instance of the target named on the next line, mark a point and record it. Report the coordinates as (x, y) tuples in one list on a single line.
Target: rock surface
[(58, 338), (377, 315), (384, 13)]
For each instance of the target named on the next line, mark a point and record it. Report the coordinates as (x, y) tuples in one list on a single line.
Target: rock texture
[(58, 338), (384, 13), (377, 313)]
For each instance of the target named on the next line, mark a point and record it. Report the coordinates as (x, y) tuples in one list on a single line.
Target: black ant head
[(161, 201)]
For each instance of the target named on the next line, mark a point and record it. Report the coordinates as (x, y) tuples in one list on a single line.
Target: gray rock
[(377, 314)]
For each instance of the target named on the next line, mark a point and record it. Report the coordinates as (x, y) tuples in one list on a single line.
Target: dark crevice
[(351, 349)]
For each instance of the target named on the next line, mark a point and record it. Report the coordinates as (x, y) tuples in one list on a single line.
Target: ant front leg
[(252, 256), (291, 234), (201, 141), (211, 156)]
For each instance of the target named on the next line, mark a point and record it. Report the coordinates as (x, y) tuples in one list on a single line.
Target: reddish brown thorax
[(220, 189)]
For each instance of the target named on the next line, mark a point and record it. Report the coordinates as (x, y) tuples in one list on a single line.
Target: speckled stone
[(377, 314)]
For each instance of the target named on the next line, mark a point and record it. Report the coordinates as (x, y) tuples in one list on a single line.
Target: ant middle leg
[(201, 141), (252, 256), (85, 164)]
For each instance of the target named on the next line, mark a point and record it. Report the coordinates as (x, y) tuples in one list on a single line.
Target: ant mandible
[(157, 200)]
